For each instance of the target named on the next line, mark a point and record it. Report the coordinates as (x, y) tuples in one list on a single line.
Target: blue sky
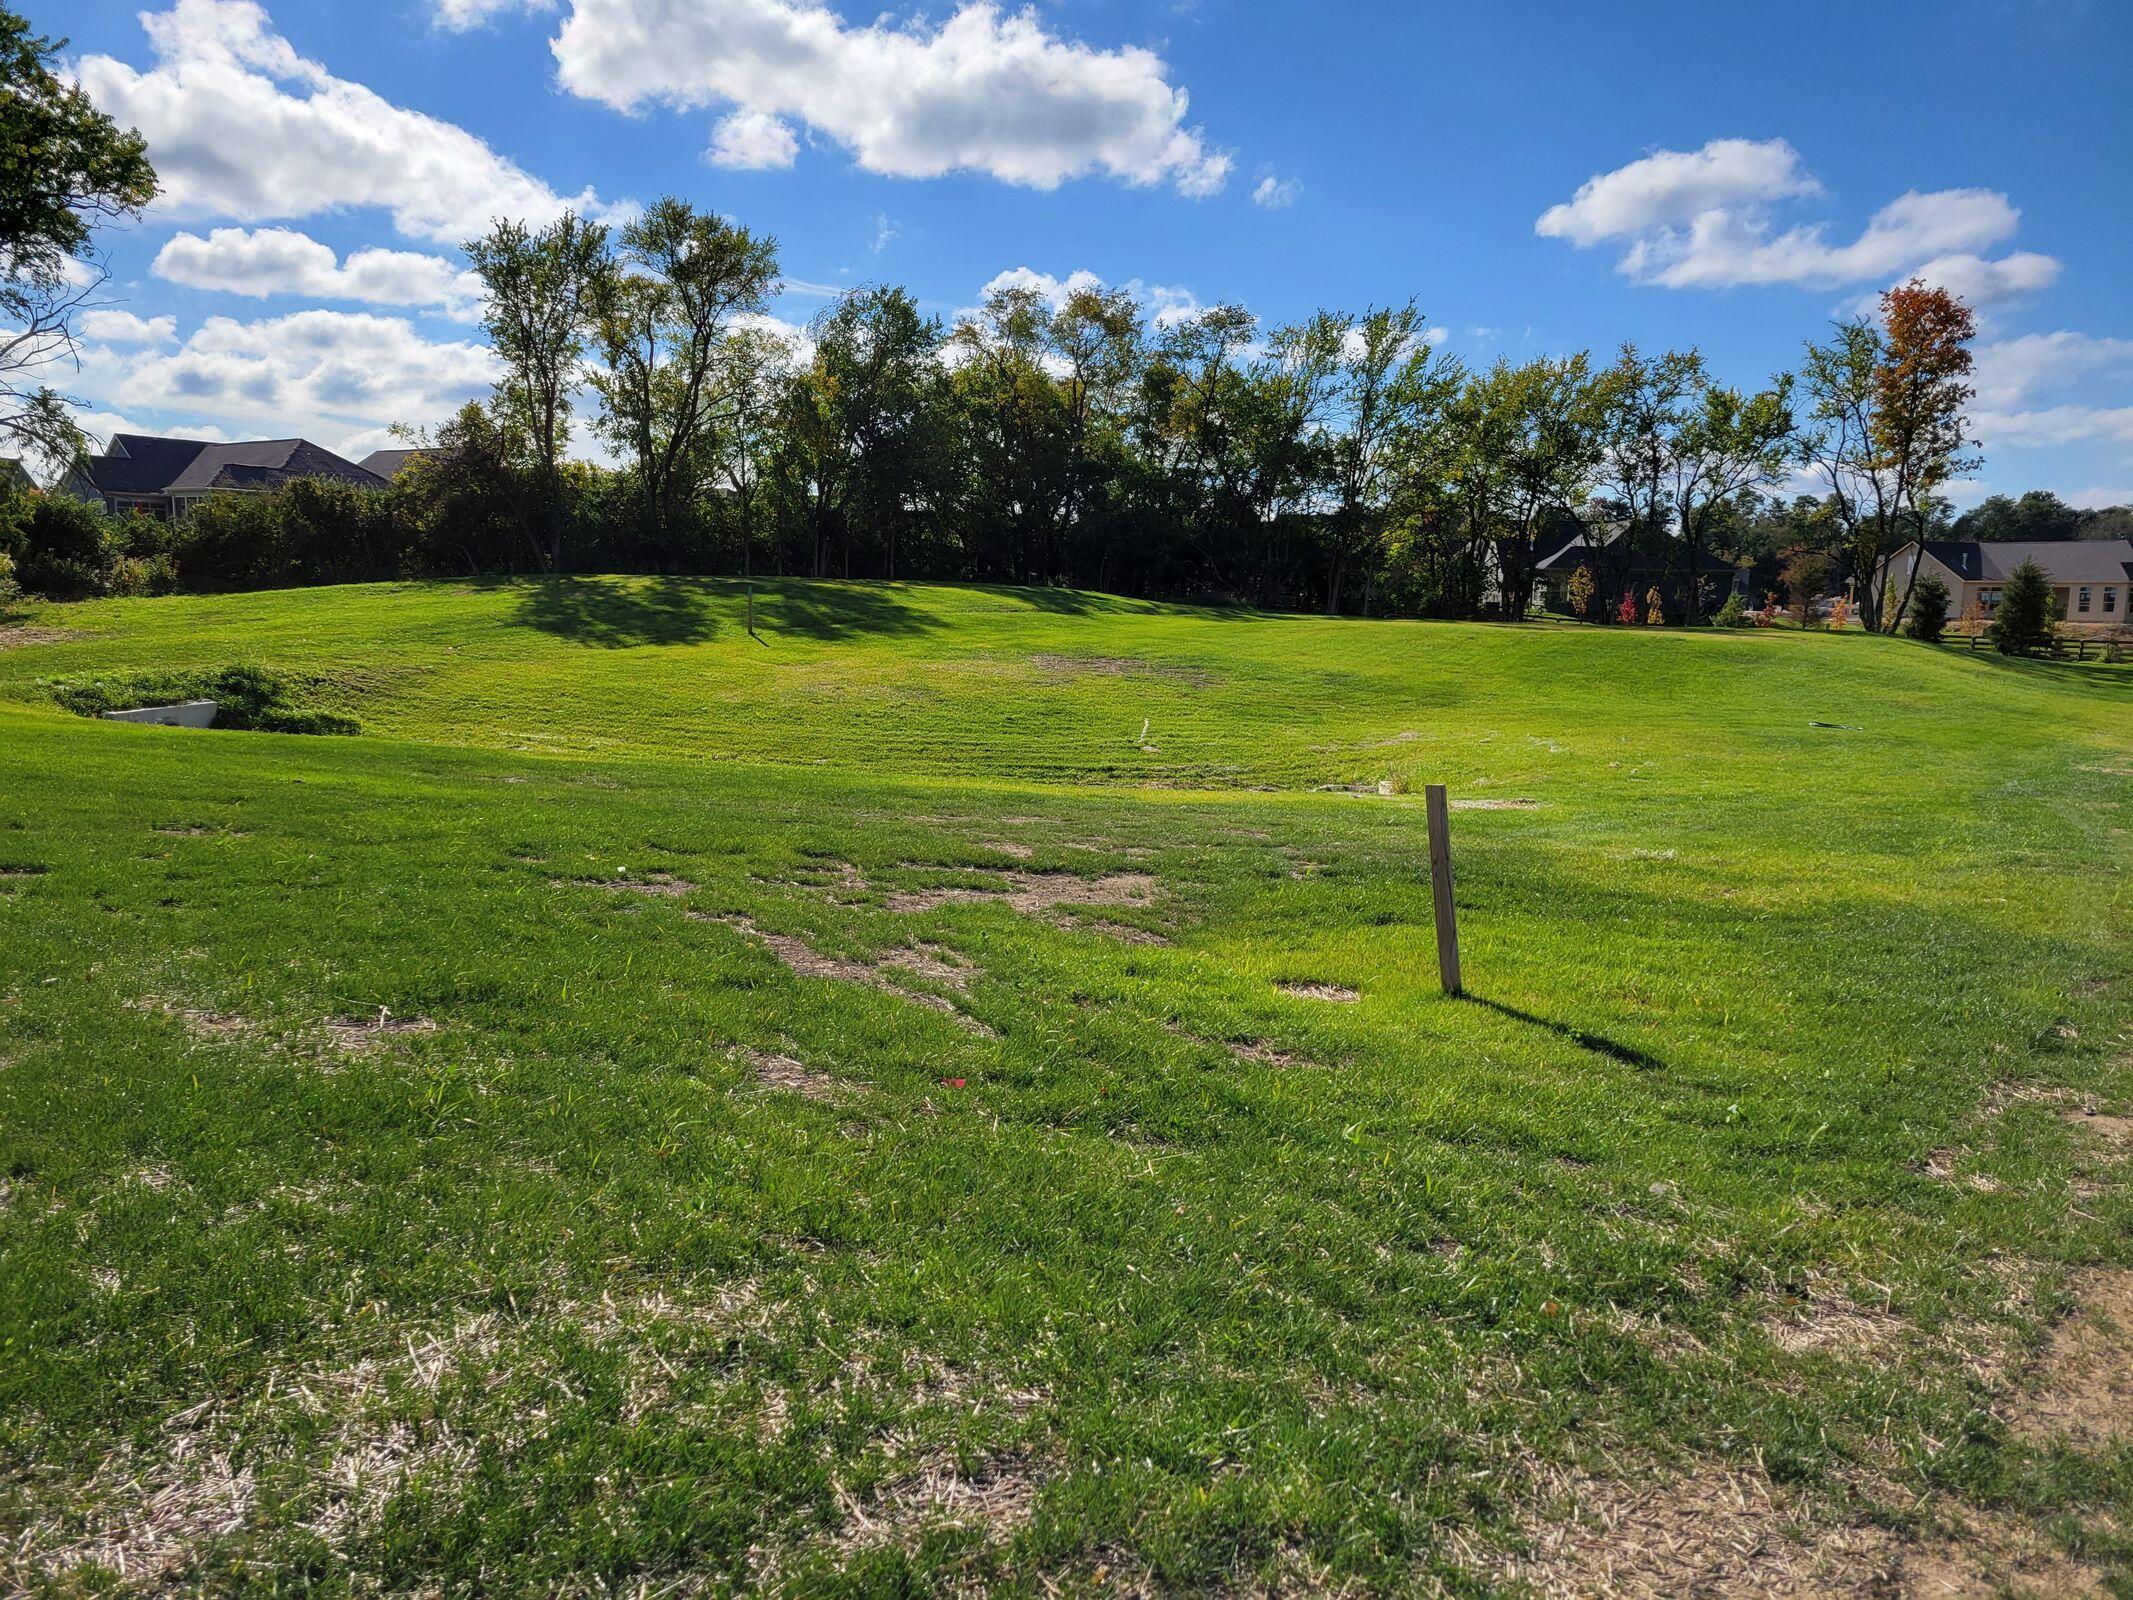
[(1540, 177)]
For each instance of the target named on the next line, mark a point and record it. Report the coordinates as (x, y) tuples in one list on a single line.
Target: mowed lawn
[(950, 1093)]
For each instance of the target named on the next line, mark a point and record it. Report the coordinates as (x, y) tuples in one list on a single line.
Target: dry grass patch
[(1827, 1320), (1064, 667), (1716, 1532), (922, 961), (20, 636), (145, 1518), (789, 1076), (1496, 805), (1944, 1166), (662, 885), (995, 1498), (1331, 993), (201, 1023), (1034, 892), (2115, 1134), (363, 1036), (2081, 1389)]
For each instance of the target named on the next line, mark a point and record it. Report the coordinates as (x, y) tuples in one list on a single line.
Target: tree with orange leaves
[(1888, 404)]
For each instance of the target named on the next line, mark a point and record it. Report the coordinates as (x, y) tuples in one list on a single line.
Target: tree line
[(1342, 462)]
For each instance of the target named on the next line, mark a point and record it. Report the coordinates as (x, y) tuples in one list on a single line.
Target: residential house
[(1620, 563), (2092, 578), (166, 478), (389, 464)]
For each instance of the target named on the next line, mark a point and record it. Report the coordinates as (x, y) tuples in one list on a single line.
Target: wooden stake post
[(1440, 881), (751, 611)]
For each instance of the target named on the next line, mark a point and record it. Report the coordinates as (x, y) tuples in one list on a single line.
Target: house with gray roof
[(391, 463), (2092, 578), (166, 478)]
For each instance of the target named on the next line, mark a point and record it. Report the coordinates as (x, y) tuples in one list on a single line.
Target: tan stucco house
[(2093, 578)]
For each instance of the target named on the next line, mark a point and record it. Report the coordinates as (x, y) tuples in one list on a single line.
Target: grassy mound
[(949, 1091), (247, 698)]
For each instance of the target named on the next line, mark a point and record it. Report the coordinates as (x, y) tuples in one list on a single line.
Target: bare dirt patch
[(194, 830), (995, 1498), (1944, 1166), (663, 885), (1064, 667), (1496, 805), (2080, 1391), (1331, 993), (1261, 1054), (1721, 1533), (921, 961), (1827, 1320), (1034, 892), (789, 1076), (1123, 932), (2113, 1133), (363, 1036), (20, 636), (199, 1022)]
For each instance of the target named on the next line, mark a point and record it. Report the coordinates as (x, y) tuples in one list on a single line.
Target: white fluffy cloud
[(239, 125), (1166, 304), (457, 16), (1276, 194), (2011, 371), (2082, 374), (2055, 425), (101, 425), (1703, 219), (1671, 187), (986, 90), (753, 141), (284, 375), (268, 261), (1978, 282), (123, 327)]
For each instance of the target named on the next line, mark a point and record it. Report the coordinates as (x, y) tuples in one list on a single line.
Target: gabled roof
[(135, 463), (387, 463), (2063, 560), (139, 464)]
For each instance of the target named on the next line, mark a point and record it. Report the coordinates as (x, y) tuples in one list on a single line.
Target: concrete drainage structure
[(186, 714)]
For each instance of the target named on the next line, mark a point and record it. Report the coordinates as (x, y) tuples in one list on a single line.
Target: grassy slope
[(559, 1290)]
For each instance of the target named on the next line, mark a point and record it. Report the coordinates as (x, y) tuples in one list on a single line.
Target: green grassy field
[(950, 1094)]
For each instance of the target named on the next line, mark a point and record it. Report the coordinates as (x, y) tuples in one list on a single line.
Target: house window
[(2082, 604), (1988, 599), (2110, 601)]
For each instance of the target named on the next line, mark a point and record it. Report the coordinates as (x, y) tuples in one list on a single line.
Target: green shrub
[(246, 697), (1733, 614), (1927, 619), (2024, 620), (10, 590)]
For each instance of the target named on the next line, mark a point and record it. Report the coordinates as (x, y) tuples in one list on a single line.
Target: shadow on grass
[(1598, 1043), (621, 614), (2114, 678), (832, 610)]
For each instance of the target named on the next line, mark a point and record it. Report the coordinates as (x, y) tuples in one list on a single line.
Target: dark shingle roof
[(135, 463), (138, 464), (2063, 560), (387, 463)]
